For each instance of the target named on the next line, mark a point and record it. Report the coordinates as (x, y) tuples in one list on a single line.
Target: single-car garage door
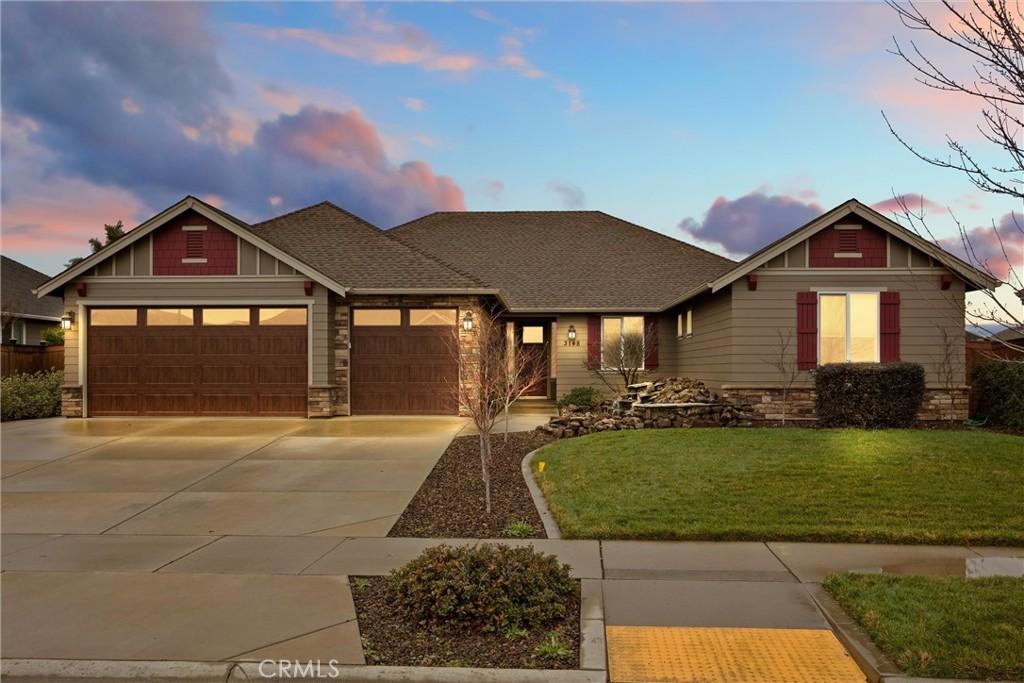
[(197, 361), (401, 362)]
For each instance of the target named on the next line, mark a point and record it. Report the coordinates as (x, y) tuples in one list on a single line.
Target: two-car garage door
[(197, 361)]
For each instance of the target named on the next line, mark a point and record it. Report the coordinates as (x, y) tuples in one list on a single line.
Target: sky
[(722, 124)]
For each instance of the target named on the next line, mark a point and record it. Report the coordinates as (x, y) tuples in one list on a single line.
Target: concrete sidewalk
[(231, 598)]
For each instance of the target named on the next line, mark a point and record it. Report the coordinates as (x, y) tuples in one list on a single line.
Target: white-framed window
[(684, 324), (621, 330), (848, 327)]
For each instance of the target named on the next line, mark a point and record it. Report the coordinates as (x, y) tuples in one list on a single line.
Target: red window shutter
[(594, 342), (806, 330), (651, 342), (889, 344)]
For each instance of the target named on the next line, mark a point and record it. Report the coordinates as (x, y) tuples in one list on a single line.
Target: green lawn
[(941, 627), (900, 486)]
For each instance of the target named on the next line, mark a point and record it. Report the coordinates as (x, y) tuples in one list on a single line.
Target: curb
[(82, 671), (550, 525)]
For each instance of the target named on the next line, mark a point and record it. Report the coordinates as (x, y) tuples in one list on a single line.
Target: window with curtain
[(848, 327)]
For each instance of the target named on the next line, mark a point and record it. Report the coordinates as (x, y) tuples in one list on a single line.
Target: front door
[(533, 339)]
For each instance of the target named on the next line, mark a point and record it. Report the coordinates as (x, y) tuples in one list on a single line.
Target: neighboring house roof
[(358, 254), (1010, 334), (16, 284), (564, 260), (969, 273)]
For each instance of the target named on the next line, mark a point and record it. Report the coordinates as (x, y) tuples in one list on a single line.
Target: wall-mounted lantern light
[(67, 320), (572, 333), (467, 322)]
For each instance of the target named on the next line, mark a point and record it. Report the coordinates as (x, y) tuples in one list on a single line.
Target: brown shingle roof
[(16, 284), (564, 260), (355, 253)]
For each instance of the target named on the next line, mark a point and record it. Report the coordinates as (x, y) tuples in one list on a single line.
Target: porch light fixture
[(572, 333), (467, 322), (66, 320)]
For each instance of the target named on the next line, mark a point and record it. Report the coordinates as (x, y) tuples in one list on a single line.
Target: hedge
[(24, 396), (872, 395), (999, 391)]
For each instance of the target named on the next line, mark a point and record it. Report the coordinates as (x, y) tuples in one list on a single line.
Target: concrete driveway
[(216, 477)]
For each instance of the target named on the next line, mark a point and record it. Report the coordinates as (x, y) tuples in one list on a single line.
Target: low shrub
[(585, 397), (24, 396), (493, 587), (999, 391), (872, 395)]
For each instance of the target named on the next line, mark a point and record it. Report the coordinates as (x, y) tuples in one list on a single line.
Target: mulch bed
[(391, 638), (450, 503)]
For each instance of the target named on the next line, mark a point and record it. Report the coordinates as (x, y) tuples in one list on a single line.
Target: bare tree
[(622, 359), (948, 368), (492, 376), (785, 362), (990, 34)]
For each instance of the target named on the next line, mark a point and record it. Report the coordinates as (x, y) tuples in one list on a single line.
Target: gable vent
[(847, 240), (194, 244)]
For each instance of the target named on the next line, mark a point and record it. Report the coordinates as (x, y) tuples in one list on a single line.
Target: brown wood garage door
[(401, 364), (197, 361)]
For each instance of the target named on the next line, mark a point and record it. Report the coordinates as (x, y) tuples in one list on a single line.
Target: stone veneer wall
[(71, 401), (940, 404), (342, 306)]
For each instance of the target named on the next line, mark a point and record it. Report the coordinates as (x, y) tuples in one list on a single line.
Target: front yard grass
[(839, 485), (941, 627)]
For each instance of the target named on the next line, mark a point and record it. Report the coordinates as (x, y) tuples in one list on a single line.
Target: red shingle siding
[(171, 244), (869, 242)]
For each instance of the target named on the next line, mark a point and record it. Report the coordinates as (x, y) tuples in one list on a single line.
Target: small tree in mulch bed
[(493, 587), (494, 372)]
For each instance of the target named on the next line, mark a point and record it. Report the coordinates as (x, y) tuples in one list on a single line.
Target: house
[(318, 313), (25, 315)]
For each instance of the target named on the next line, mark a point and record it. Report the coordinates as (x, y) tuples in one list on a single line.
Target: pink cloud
[(387, 44), (495, 189), (324, 137), (913, 201), (446, 194), (992, 252)]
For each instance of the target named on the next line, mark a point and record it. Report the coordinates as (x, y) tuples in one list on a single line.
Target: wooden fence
[(17, 358)]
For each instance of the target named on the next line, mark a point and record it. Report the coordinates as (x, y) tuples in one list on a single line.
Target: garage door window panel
[(271, 317), (377, 317), (113, 317), (432, 316), (170, 317), (227, 316)]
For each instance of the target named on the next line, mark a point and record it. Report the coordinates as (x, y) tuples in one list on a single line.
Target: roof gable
[(241, 229), (853, 207)]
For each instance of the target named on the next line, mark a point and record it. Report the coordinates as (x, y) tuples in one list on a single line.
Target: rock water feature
[(661, 404)]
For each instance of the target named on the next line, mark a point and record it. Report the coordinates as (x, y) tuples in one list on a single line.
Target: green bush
[(25, 396), (487, 586), (872, 395), (999, 390), (54, 336), (585, 397)]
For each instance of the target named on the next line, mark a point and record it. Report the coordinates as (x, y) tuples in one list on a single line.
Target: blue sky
[(689, 119)]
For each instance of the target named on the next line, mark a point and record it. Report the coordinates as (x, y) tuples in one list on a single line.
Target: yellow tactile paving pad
[(674, 654)]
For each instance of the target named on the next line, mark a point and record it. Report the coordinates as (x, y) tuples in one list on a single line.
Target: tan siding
[(123, 263), (919, 259), (267, 264), (707, 355), (142, 257), (925, 312), (797, 255), (248, 256), (899, 253), (195, 293), (71, 338), (777, 262), (105, 268)]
